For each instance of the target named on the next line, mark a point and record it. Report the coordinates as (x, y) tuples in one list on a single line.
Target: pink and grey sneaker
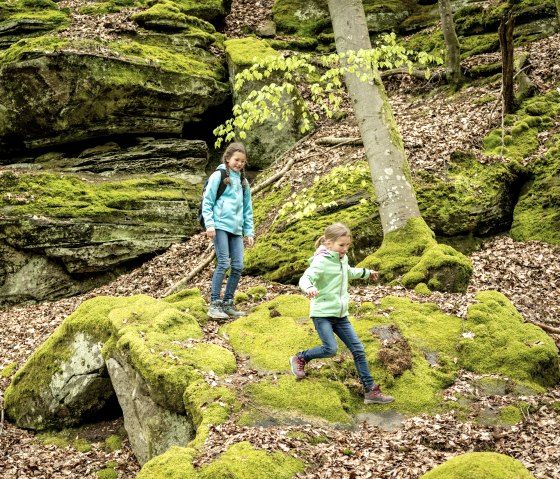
[(375, 396), (297, 364)]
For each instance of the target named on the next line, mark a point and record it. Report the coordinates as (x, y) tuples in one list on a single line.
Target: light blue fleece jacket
[(330, 274), (233, 211)]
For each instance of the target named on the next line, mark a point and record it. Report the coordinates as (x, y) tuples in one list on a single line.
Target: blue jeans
[(228, 247), (327, 328)]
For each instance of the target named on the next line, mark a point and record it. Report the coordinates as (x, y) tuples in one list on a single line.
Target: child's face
[(339, 245), (237, 161)]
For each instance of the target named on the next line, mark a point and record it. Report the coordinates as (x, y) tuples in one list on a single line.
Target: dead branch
[(206, 260), (420, 74), (336, 141), (546, 327)]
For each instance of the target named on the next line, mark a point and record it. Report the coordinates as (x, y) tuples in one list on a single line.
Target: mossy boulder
[(472, 199), (146, 352), (141, 90), (61, 234), (480, 465), (262, 146)]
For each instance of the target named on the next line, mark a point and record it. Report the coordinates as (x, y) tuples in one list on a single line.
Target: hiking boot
[(297, 364), (215, 311), (374, 396), (231, 310)]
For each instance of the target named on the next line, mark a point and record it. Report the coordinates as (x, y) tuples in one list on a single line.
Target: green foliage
[(107, 473), (324, 77), (113, 443)]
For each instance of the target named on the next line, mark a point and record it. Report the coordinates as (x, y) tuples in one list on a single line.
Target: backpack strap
[(222, 186)]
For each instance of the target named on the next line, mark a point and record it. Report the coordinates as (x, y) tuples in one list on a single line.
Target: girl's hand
[(250, 241), (312, 292), (211, 233), (373, 275)]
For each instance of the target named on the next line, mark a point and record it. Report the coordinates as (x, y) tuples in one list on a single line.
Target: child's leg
[(236, 250), (221, 245), (344, 330), (328, 349)]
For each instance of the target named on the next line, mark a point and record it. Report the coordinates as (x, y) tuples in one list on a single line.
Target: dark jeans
[(327, 328), (229, 249)]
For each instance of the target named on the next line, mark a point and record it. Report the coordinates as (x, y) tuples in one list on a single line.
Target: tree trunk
[(453, 71), (558, 12), (382, 141), (505, 33)]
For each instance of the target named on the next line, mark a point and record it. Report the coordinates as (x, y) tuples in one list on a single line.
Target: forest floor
[(433, 123)]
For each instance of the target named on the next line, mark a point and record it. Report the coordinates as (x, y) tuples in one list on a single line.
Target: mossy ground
[(480, 465)]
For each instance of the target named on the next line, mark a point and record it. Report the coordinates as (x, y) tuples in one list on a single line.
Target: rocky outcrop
[(62, 234)]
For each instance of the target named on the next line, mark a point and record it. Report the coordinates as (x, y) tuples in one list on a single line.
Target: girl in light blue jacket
[(227, 219), (326, 283)]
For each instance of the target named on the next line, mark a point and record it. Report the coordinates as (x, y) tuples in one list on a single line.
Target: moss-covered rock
[(537, 213), (413, 256), (61, 234), (502, 340), (480, 465), (65, 381), (473, 199)]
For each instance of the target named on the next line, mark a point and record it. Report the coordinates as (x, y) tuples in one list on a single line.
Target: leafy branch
[(281, 99)]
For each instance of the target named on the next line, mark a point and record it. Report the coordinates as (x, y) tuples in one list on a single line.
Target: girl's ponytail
[(320, 241)]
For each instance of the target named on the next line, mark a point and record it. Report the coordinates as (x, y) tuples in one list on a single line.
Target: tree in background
[(453, 70)]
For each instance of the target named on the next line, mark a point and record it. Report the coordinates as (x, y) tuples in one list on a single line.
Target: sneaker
[(297, 364), (231, 310), (215, 311), (374, 396)]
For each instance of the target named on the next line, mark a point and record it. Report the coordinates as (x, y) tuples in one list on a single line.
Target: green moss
[(69, 196), (189, 301), (208, 406), (165, 346), (479, 44), (503, 343), (174, 14), (7, 371), (521, 140), (113, 443), (510, 415), (241, 298), (303, 18), (246, 51), (480, 465), (257, 292), (414, 252), (316, 399), (175, 463), (26, 47), (108, 473), (271, 338), (537, 213), (29, 384), (296, 43), (242, 461), (345, 194), (65, 438), (422, 289)]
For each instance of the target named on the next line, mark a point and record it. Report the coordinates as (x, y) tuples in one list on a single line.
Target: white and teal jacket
[(330, 274), (233, 211)]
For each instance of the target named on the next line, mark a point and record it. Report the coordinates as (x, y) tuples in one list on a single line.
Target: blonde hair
[(228, 153), (333, 232)]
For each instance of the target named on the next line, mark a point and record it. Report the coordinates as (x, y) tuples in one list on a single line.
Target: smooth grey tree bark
[(382, 141), (453, 68)]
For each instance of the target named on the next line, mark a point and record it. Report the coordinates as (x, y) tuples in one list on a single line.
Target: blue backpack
[(221, 189)]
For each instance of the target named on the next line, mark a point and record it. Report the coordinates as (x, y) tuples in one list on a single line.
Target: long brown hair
[(230, 150), (333, 232)]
